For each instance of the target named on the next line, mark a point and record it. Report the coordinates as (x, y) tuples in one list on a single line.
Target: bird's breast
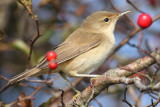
[(88, 61)]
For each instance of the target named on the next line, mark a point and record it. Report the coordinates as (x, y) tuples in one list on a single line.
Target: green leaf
[(21, 46)]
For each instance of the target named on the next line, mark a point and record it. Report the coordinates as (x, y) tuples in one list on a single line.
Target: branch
[(115, 76), (142, 87)]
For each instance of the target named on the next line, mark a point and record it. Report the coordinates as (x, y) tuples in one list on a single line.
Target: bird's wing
[(75, 45)]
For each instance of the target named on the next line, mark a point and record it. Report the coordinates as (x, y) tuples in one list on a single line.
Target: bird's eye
[(106, 19)]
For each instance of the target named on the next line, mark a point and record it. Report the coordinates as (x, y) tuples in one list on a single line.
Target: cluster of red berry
[(144, 20), (51, 55)]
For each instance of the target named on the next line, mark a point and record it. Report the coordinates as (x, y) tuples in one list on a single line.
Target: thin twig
[(148, 46), (33, 42), (56, 98), (62, 94), (1, 76), (154, 104), (44, 81), (128, 18), (125, 100), (31, 95), (38, 33), (132, 45), (128, 1), (140, 38), (100, 105), (152, 96)]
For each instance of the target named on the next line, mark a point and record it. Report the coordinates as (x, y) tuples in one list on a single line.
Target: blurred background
[(57, 20)]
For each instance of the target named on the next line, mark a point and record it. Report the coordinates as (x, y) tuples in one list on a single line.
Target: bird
[(83, 51)]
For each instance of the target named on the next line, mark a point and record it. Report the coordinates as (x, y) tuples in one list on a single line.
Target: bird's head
[(102, 20)]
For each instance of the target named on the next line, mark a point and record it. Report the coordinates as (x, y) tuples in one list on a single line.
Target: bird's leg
[(86, 75), (93, 77), (68, 82), (73, 74)]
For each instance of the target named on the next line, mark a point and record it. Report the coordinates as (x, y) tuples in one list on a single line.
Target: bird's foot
[(77, 94), (92, 81)]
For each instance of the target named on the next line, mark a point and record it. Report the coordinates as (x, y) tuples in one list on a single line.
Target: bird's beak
[(121, 14)]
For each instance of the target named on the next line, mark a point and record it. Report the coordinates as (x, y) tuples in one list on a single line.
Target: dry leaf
[(25, 103), (28, 4)]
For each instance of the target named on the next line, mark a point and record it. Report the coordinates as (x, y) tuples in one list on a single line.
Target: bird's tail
[(24, 75)]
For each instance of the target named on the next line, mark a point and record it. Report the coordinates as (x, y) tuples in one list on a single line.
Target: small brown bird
[(84, 50)]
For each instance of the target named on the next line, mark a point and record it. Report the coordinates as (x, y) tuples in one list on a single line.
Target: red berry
[(51, 55), (53, 65), (153, 2), (156, 49), (139, 74), (41, 34), (144, 20)]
